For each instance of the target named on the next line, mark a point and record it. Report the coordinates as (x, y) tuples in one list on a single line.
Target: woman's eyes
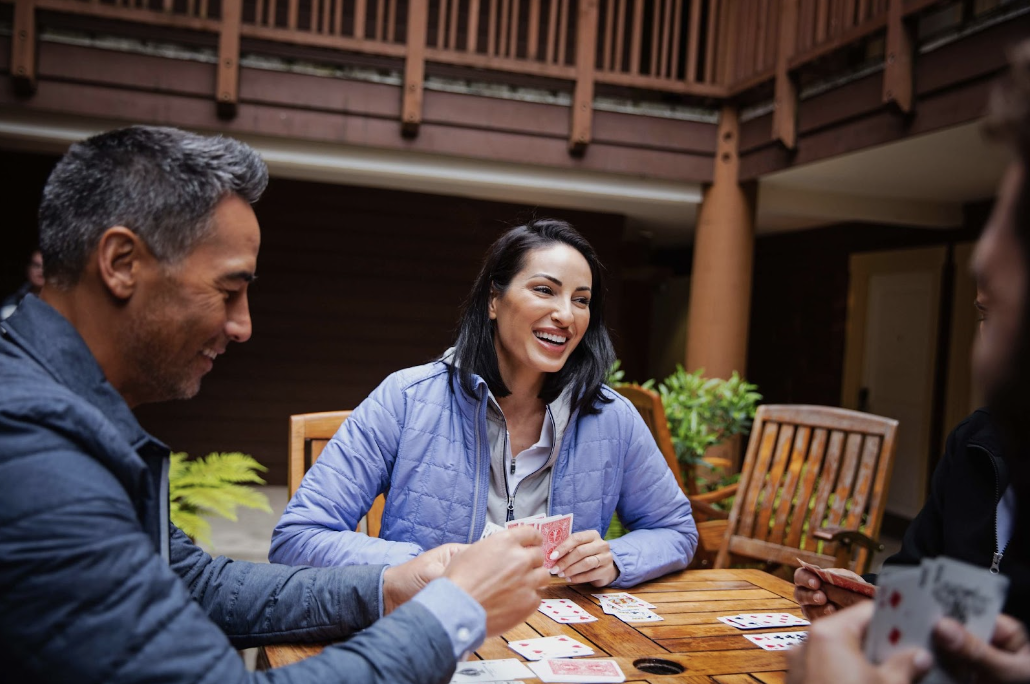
[(543, 289)]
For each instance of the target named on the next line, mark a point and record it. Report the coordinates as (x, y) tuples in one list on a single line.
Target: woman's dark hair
[(1009, 120), (474, 349)]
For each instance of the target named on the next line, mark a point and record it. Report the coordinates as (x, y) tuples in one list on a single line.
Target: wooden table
[(690, 635)]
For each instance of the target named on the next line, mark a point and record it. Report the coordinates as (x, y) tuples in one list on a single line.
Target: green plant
[(703, 412), (213, 485), (616, 375)]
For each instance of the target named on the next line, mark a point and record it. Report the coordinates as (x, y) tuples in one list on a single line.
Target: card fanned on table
[(830, 578), (476, 671), (565, 611), (550, 647), (777, 641), (763, 620), (910, 601), (597, 671), (628, 607), (555, 529)]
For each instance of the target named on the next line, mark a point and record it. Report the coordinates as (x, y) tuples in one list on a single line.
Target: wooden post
[(720, 284), (23, 47), (414, 67), (228, 82), (897, 68), (785, 111), (583, 97)]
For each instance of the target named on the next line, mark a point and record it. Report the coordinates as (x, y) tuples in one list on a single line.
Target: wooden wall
[(353, 283)]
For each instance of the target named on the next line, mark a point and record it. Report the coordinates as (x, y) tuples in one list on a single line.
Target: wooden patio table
[(690, 636)]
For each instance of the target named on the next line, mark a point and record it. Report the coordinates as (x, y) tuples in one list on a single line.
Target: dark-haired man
[(150, 245)]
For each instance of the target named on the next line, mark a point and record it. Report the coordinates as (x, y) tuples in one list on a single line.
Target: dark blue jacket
[(97, 586)]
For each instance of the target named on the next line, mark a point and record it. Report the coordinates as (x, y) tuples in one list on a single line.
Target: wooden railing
[(709, 49)]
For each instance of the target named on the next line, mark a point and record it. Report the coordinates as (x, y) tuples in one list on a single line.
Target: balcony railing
[(710, 50)]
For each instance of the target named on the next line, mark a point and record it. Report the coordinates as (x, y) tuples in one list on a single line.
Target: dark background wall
[(353, 284)]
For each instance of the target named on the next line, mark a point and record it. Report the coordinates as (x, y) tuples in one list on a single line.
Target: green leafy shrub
[(213, 485)]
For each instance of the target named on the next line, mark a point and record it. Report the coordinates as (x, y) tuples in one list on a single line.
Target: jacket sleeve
[(318, 525), (84, 597), (663, 536)]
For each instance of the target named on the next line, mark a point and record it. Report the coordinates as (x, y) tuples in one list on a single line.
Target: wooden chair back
[(309, 433), (810, 470), (649, 404)]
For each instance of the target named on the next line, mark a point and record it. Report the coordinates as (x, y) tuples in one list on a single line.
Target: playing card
[(904, 615), (597, 671), (474, 671), (555, 530), (777, 641), (843, 582), (550, 647), (622, 600), (564, 611), (637, 615), (762, 620), (490, 529)]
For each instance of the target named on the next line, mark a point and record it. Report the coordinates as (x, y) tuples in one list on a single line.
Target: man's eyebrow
[(245, 276), (558, 282)]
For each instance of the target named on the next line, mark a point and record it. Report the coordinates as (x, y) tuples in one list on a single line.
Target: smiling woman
[(513, 421)]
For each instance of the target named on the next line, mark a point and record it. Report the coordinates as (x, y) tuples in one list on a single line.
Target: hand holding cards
[(910, 601), (555, 529)]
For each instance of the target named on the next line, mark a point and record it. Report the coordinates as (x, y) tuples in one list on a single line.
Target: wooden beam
[(583, 97), (228, 83), (785, 98), (414, 67), (898, 67), (23, 47)]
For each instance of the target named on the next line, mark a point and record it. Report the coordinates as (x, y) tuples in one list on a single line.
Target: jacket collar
[(54, 343)]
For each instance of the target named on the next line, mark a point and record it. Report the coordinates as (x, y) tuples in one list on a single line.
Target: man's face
[(190, 311), (1001, 275)]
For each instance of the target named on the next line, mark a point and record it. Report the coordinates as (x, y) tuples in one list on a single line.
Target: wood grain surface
[(691, 636)]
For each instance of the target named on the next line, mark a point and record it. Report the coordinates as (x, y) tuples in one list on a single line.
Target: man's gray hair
[(161, 183)]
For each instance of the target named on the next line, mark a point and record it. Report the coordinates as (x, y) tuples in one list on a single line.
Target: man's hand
[(818, 599), (1005, 659), (585, 557), (505, 574), (833, 654), (401, 582)]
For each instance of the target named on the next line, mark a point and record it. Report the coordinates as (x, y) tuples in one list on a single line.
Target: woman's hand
[(1005, 659), (585, 557)]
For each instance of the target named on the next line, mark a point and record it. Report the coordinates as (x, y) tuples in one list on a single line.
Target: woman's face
[(544, 313)]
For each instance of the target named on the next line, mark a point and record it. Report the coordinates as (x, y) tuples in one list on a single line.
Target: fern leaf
[(193, 526)]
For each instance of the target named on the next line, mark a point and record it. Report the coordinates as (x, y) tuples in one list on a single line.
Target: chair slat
[(814, 464), (757, 479), (845, 479), (767, 499), (826, 483), (786, 507), (864, 481)]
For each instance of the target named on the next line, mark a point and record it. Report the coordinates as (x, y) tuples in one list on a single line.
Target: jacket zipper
[(999, 553), (479, 458), (511, 495)]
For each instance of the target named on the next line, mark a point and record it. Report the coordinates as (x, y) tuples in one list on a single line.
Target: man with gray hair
[(149, 244)]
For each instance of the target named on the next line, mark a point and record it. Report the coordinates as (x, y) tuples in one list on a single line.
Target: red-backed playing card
[(598, 671), (830, 578)]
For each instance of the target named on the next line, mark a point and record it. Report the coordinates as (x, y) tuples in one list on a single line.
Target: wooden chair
[(649, 404), (309, 433), (813, 486)]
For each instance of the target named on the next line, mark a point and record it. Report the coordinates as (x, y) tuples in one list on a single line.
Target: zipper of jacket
[(999, 552), (511, 495), (479, 458)]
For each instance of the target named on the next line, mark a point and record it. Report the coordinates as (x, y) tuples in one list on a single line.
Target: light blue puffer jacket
[(422, 440)]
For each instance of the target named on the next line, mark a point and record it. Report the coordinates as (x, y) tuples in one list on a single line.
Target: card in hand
[(550, 647), (597, 671), (763, 620), (904, 614), (565, 611), (490, 529), (475, 671), (777, 641), (555, 530), (863, 588)]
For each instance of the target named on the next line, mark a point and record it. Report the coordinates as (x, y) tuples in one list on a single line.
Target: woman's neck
[(524, 387)]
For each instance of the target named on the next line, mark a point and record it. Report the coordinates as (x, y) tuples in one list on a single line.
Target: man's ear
[(119, 258)]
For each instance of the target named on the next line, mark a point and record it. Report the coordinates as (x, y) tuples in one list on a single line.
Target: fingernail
[(561, 574), (923, 660), (554, 555), (554, 570), (813, 584)]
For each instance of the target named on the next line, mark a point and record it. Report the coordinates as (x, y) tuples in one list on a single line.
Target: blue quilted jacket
[(420, 439)]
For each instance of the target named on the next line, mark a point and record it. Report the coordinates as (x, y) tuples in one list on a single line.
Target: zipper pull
[(512, 465), (996, 564), (511, 509)]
